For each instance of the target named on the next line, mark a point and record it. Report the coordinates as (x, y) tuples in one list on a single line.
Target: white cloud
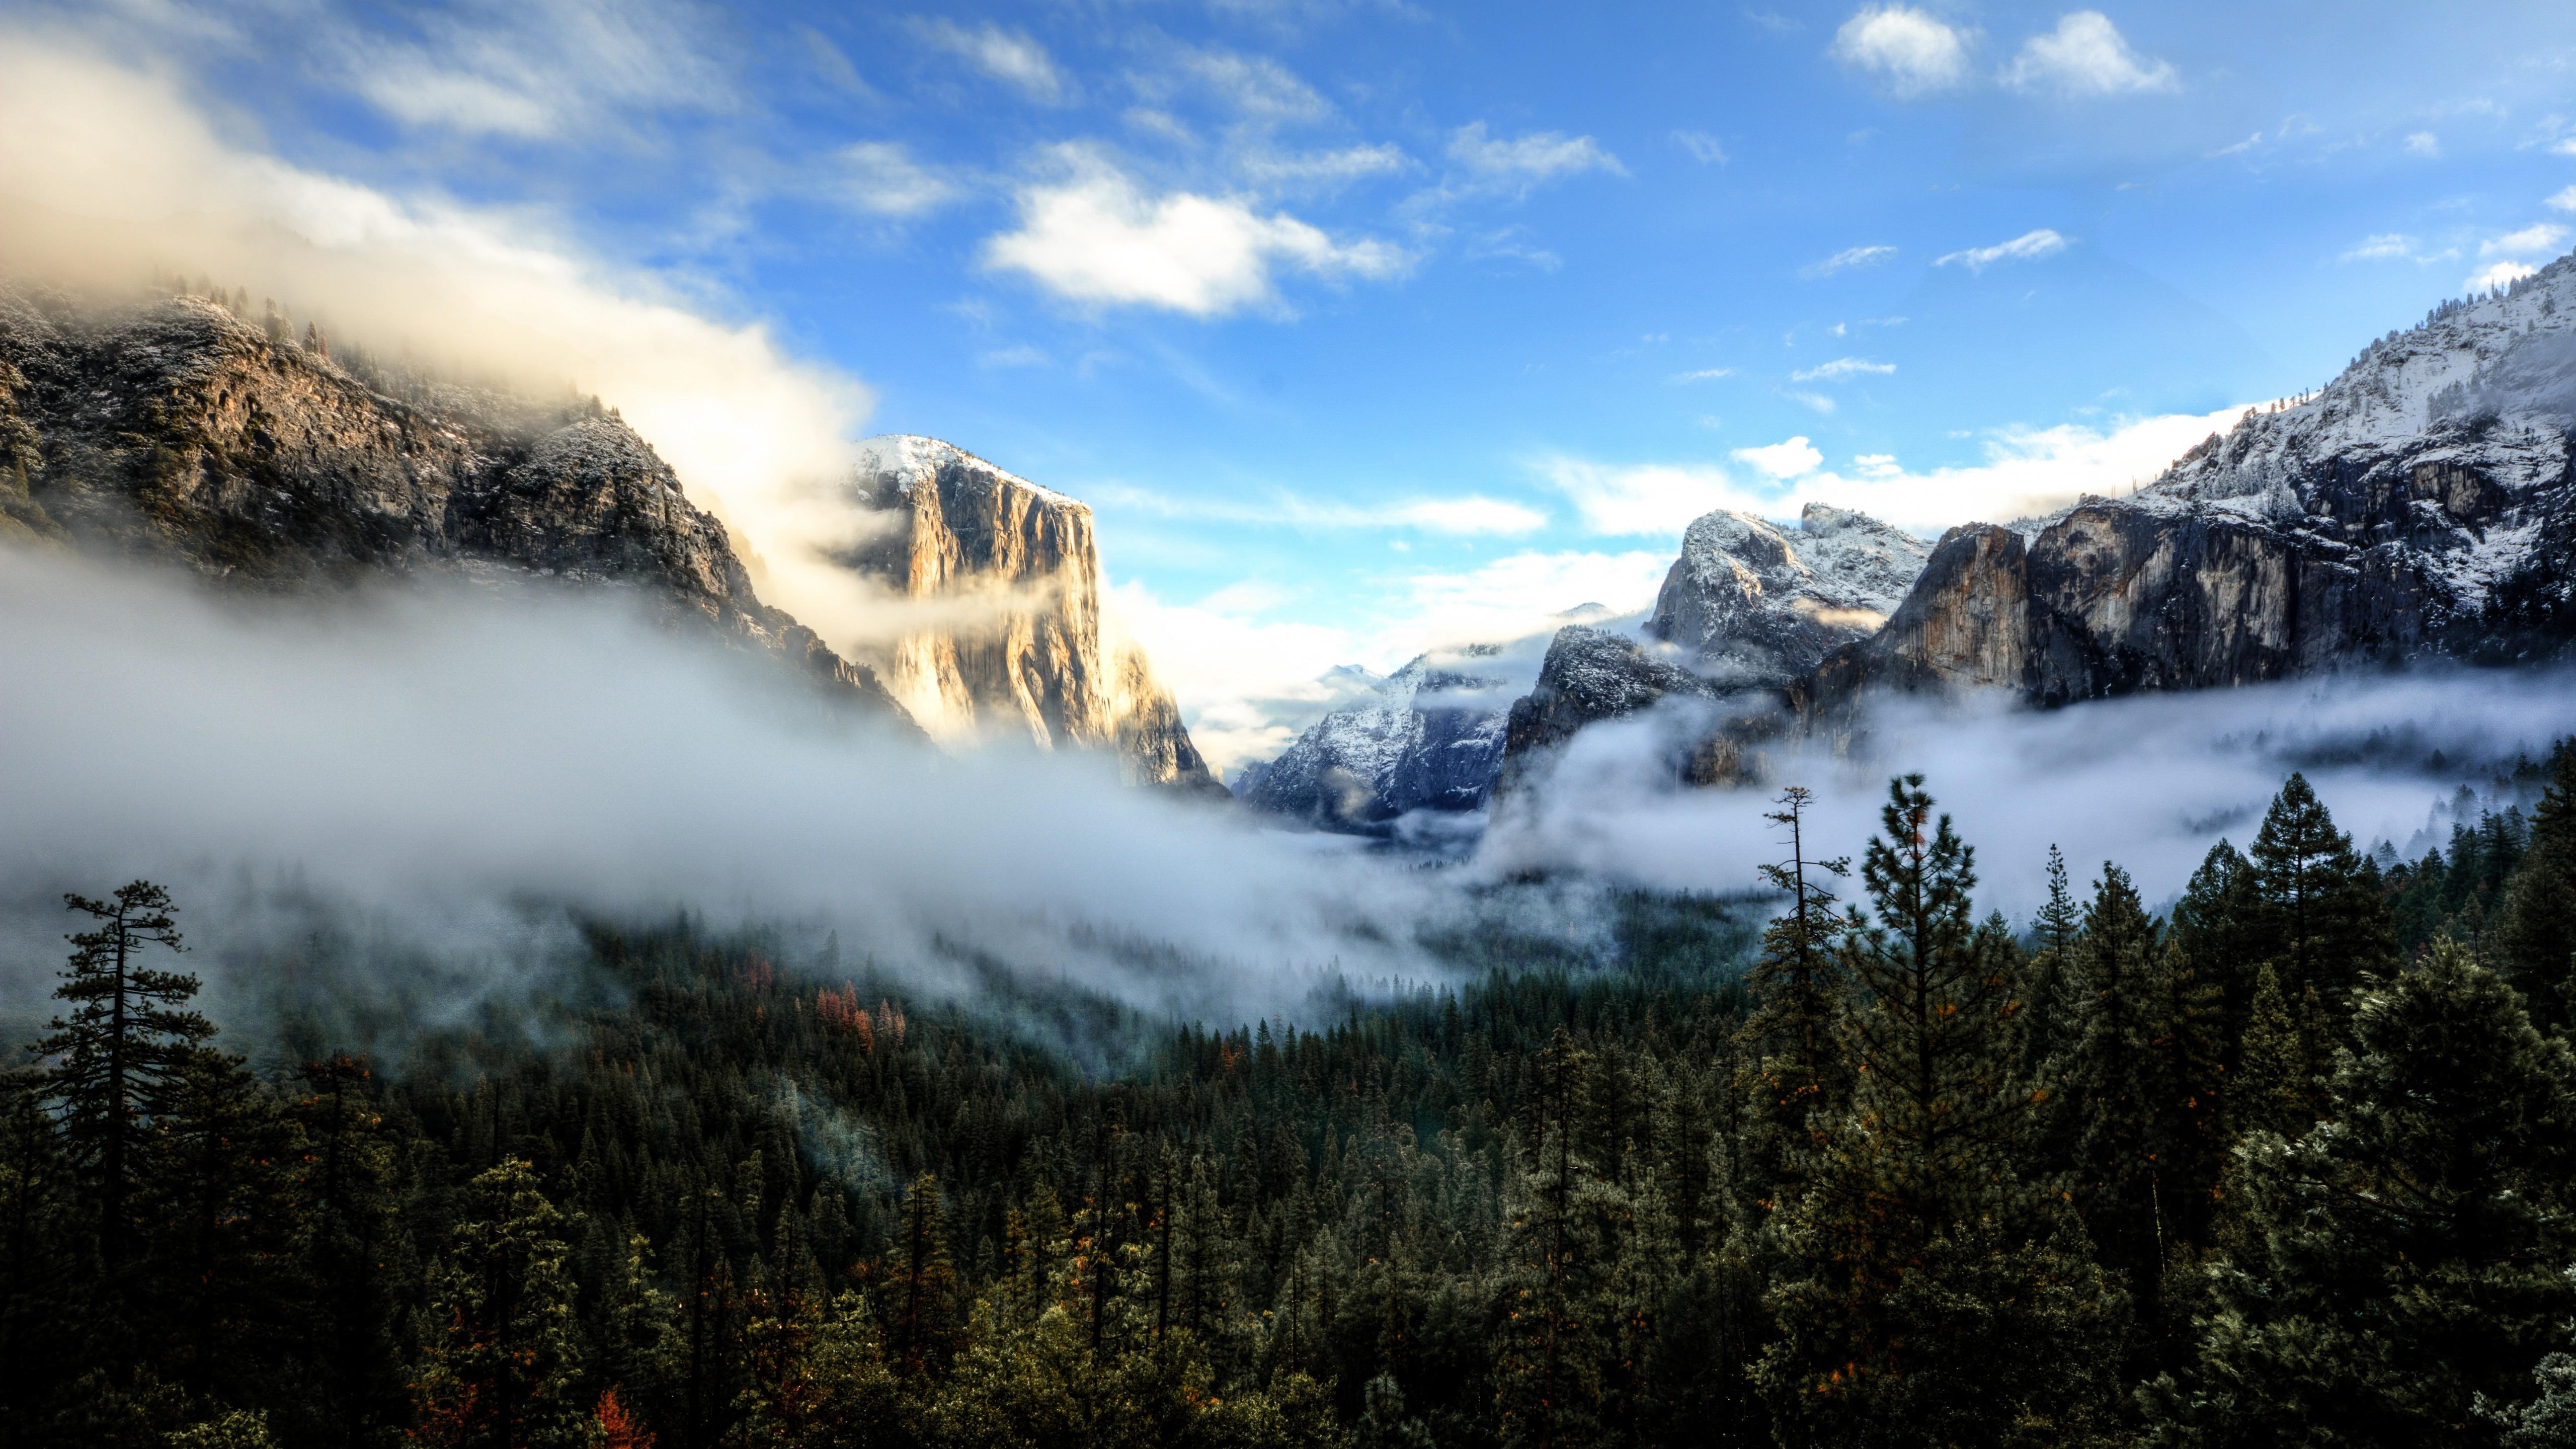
[(881, 177), (757, 435), (2386, 246), (1472, 515), (1783, 460), (2501, 274), (1842, 367), (2086, 56), (1815, 400), (1254, 86), (2423, 143), (2566, 147), (539, 69), (1645, 499), (1009, 56), (1704, 148), (1527, 160), (1092, 234), (1705, 374), (1518, 595), (2563, 201), (2026, 471), (1324, 168), (2538, 238), (2029, 246), (1846, 259), (1913, 52)]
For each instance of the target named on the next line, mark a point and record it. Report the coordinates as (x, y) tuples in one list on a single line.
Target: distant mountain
[(1019, 651), (175, 429), (1429, 738), (1748, 608), (2417, 507)]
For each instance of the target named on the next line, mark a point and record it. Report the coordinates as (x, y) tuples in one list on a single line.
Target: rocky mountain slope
[(1006, 576), (2418, 506), (1429, 738), (175, 429), (1746, 610), (1758, 607)]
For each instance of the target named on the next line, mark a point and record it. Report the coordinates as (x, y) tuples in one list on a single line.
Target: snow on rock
[(1756, 605), (1429, 738)]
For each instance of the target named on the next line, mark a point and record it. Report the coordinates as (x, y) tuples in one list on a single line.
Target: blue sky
[(1368, 325)]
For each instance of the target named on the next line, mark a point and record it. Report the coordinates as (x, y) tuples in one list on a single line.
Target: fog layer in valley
[(2151, 781), (460, 766)]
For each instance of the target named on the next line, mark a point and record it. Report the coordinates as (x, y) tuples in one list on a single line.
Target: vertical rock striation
[(1004, 579)]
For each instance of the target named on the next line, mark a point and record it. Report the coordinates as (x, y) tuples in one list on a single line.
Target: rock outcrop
[(1005, 576), (1747, 610), (174, 429), (2422, 505), (1756, 606), (1429, 738)]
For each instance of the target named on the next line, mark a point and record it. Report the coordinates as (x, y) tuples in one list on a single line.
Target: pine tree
[(1932, 1295), (2322, 920), (352, 1232), (2536, 939), (2050, 999), (1561, 1232), (2410, 1256), (504, 1356), (2143, 1083), (1793, 1066), (122, 1054)]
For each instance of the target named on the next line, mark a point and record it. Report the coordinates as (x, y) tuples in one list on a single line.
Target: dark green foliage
[(2536, 940), (1912, 1182), (2410, 1254), (1935, 1291)]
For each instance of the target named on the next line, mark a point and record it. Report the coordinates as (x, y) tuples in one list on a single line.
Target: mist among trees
[(2292, 1161)]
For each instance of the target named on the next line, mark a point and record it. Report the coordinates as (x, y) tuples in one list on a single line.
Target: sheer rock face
[(175, 430), (1429, 738), (1756, 606), (2422, 505), (1006, 577)]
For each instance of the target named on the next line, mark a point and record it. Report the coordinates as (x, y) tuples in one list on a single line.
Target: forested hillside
[(2293, 1163)]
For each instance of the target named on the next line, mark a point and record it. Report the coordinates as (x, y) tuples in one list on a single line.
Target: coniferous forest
[(2291, 1163)]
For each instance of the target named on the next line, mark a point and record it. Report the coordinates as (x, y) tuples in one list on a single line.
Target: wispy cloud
[(1254, 87), (882, 178), (1705, 374), (1324, 168), (1090, 233), (1527, 160), (2539, 238), (1010, 56), (1841, 368), (2395, 247), (2029, 246), (541, 70), (2086, 56), (1702, 147), (1911, 51), (1848, 258), (2563, 201), (2424, 143), (1470, 516)]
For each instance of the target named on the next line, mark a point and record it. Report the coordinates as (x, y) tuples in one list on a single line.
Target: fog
[(461, 770), (2151, 782), (113, 173)]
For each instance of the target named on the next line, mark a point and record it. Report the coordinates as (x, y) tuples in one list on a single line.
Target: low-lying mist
[(454, 774), (2151, 782)]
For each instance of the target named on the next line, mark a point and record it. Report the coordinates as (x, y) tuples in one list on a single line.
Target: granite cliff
[(1006, 576), (1746, 610), (2422, 505), (175, 429)]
